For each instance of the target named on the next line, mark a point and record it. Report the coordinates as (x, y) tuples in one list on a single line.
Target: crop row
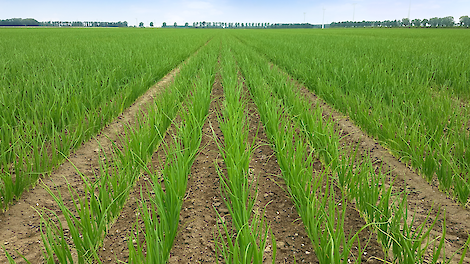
[(246, 240), (411, 99), (58, 88), (95, 210), (296, 138), (298, 133)]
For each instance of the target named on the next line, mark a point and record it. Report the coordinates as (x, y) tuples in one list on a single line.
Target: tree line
[(34, 22), (205, 24), (464, 21)]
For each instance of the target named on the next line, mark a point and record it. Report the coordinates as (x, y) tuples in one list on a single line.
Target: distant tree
[(30, 22), (141, 24), (435, 21), (448, 21), (464, 21), (164, 24), (406, 22), (425, 22), (175, 25), (396, 23), (416, 22), (186, 24), (151, 24), (19, 22)]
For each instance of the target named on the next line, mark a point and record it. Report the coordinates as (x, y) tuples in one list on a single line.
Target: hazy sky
[(182, 11)]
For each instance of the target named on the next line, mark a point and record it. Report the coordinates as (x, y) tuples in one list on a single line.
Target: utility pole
[(354, 10), (323, 20), (409, 10)]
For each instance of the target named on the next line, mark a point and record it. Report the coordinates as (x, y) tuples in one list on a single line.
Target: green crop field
[(60, 87), (407, 89)]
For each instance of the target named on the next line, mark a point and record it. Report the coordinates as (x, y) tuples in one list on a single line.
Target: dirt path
[(19, 226), (422, 195), (194, 242)]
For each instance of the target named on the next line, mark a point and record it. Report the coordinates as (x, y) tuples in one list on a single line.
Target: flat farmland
[(234, 146)]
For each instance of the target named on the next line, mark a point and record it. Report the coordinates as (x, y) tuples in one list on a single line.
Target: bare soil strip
[(422, 195), (194, 242), (19, 226)]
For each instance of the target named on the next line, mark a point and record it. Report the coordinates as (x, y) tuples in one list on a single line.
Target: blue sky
[(182, 11)]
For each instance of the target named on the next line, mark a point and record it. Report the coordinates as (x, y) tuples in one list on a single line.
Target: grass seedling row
[(245, 241), (160, 212), (391, 222), (62, 92), (412, 100)]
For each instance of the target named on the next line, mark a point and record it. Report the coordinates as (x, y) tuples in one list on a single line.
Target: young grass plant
[(324, 218), (403, 240), (246, 240), (160, 213), (93, 213), (247, 245), (161, 206)]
